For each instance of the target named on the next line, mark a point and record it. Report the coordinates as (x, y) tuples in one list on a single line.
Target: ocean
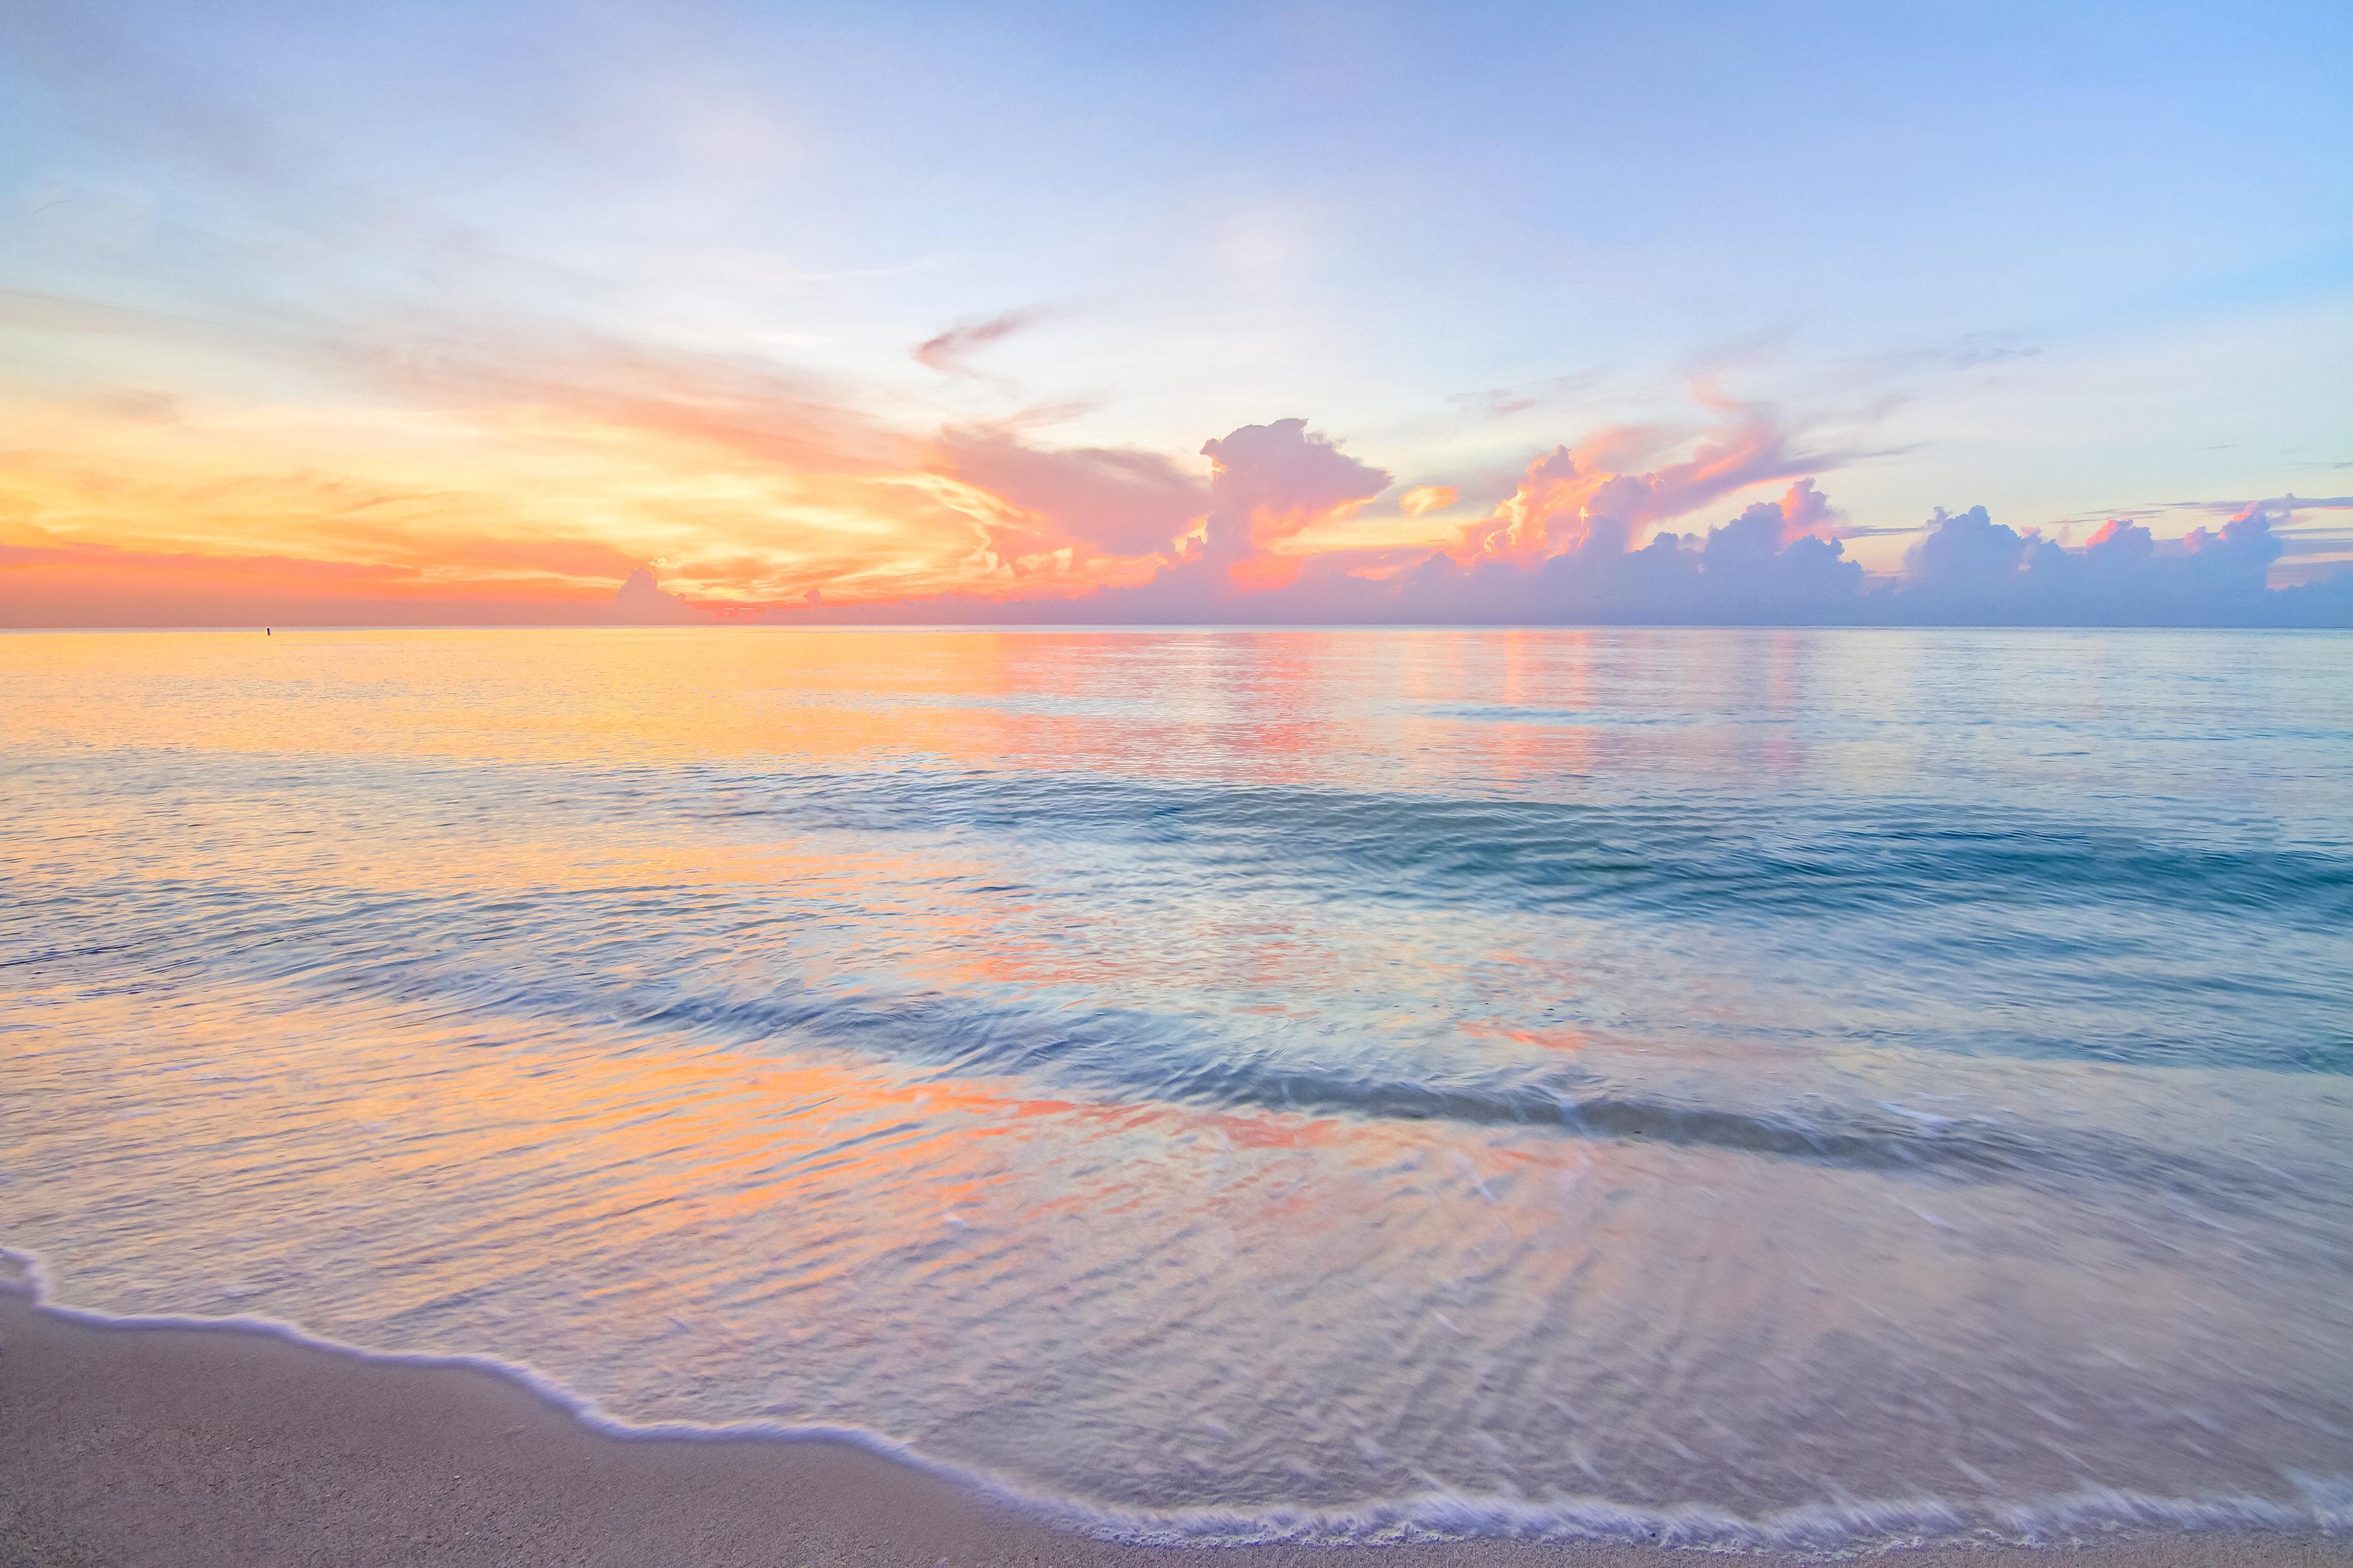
[(1745, 1088)]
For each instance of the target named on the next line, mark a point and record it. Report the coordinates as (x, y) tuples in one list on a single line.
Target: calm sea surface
[(1752, 1086)]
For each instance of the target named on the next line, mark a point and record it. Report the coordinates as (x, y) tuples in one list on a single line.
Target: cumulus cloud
[(1576, 545), (1570, 500), (1268, 482), (1806, 511), (643, 602), (1970, 568)]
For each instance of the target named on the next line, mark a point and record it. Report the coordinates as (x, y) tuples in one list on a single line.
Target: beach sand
[(123, 1445)]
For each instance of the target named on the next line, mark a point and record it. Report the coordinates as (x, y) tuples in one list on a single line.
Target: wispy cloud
[(951, 352)]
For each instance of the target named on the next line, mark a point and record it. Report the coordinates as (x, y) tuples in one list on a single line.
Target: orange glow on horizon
[(505, 508)]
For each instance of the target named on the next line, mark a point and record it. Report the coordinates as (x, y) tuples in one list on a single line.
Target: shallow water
[(1748, 1085)]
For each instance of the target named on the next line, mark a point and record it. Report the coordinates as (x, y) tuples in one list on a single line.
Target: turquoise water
[(1748, 1085)]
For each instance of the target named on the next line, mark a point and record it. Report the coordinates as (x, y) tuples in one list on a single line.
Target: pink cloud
[(1117, 503), (1570, 500), (1424, 499), (952, 350), (1805, 512), (1269, 481)]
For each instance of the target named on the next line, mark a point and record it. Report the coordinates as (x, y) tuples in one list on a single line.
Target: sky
[(477, 313)]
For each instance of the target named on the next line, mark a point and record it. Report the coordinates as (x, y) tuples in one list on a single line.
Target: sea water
[(1741, 1087)]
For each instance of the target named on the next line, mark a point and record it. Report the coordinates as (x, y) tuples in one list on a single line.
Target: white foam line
[(1818, 1529)]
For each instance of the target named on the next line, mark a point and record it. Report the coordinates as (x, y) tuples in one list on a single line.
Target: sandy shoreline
[(128, 1445)]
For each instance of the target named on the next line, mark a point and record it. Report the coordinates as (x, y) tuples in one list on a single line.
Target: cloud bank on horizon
[(721, 312), (1279, 525), (1576, 542)]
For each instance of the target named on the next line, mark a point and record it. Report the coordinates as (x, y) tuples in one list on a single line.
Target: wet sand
[(125, 1446)]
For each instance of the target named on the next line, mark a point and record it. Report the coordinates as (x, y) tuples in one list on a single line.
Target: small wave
[(2324, 1505), (1669, 855), (1129, 1055), (1132, 1055)]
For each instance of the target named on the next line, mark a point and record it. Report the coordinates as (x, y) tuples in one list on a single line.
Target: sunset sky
[(435, 312)]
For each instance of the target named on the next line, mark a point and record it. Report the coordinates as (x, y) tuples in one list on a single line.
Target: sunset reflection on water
[(1176, 1071)]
